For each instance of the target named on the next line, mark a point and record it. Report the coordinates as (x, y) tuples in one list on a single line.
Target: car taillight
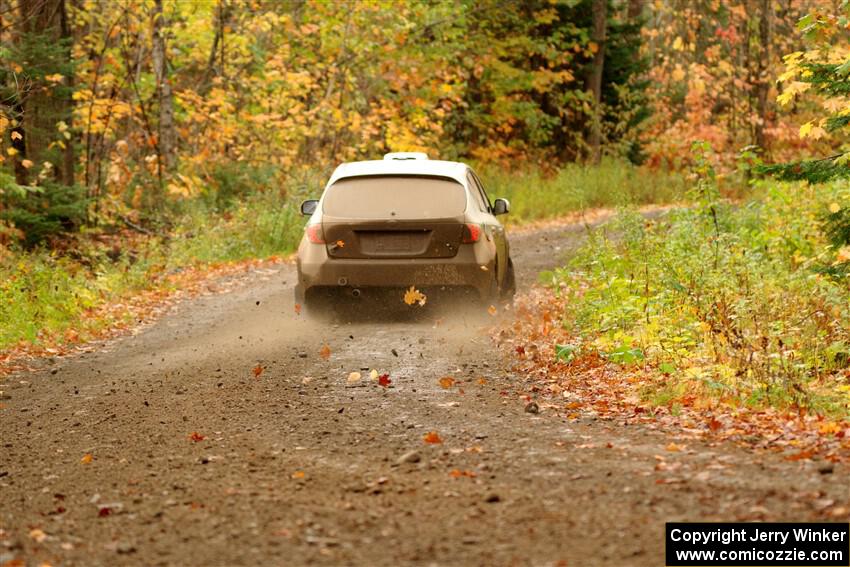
[(315, 234), (471, 233)]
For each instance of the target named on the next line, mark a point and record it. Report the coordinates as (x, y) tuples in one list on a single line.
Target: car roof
[(451, 169)]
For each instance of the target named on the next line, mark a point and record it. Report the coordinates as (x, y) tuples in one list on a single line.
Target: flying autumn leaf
[(432, 437), (384, 380), (492, 310), (447, 382), (87, 458), (258, 370), (298, 309), (325, 352), (340, 244), (196, 437), (16, 135), (413, 295)]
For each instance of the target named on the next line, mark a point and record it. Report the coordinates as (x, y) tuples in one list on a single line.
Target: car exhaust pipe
[(355, 292), (343, 281)]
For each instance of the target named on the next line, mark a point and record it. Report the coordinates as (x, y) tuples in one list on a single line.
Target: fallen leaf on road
[(38, 535), (104, 511), (802, 455), (384, 380), (492, 310), (482, 381), (413, 295), (447, 382), (298, 474), (432, 437), (455, 473), (325, 352), (354, 377), (673, 448), (258, 370), (829, 428), (714, 425), (87, 458), (196, 437), (373, 375)]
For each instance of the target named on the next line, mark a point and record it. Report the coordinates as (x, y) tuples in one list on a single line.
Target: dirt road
[(297, 466)]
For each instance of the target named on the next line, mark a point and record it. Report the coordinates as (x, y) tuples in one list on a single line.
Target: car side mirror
[(501, 207), (309, 207)]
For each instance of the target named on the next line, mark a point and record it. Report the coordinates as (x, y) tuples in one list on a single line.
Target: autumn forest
[(677, 177)]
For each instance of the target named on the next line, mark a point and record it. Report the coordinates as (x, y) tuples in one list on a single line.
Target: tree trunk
[(763, 79), (635, 9), (47, 105), (166, 134), (594, 82)]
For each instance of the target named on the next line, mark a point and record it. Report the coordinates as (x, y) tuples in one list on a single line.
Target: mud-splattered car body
[(396, 223)]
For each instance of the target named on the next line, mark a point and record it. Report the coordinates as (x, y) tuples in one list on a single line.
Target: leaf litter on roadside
[(580, 381)]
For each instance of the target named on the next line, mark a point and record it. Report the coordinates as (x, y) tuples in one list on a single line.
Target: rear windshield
[(395, 196)]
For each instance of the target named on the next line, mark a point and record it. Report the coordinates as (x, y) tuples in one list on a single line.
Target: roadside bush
[(43, 212), (725, 302)]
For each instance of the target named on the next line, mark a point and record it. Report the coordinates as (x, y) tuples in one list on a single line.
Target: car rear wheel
[(509, 286), (319, 306)]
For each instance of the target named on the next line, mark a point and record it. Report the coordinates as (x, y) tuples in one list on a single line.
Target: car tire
[(319, 307), (509, 286)]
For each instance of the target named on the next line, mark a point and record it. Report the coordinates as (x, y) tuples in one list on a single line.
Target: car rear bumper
[(473, 266)]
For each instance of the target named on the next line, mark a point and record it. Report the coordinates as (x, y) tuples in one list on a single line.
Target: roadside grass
[(49, 298), (536, 196), (46, 298), (741, 307)]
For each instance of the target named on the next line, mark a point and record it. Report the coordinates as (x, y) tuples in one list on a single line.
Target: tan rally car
[(399, 222)]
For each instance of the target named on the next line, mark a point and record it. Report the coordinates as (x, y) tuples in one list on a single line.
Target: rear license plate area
[(382, 243)]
